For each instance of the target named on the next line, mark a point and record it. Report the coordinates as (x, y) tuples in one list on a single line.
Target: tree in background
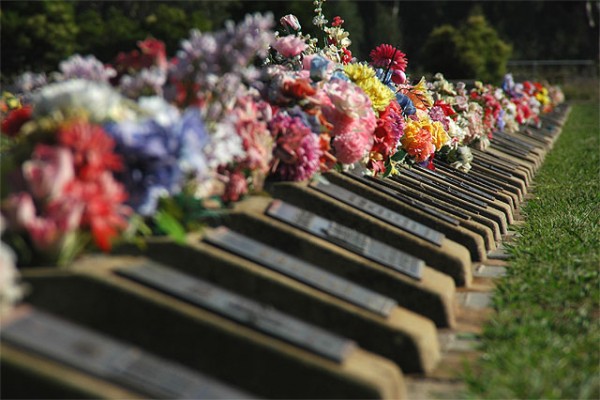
[(473, 50), (37, 35)]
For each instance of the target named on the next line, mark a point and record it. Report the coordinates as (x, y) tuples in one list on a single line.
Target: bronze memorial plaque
[(242, 310), (301, 270), (378, 211), (109, 359), (347, 238)]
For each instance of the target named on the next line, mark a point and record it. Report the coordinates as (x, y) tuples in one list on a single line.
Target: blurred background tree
[(472, 50), (36, 35)]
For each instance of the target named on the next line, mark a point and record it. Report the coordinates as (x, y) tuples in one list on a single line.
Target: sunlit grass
[(544, 341)]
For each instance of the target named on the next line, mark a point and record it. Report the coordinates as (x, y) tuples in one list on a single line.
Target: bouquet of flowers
[(96, 153)]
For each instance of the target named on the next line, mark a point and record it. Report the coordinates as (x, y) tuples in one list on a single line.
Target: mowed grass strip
[(544, 341)]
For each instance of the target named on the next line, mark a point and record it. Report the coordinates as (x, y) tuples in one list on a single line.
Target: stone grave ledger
[(366, 234), (35, 333), (452, 186), (452, 227), (212, 331), (430, 295), (461, 200), (486, 227), (265, 274), (393, 202)]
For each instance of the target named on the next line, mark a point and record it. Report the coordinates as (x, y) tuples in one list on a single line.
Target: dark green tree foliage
[(37, 35), (473, 50)]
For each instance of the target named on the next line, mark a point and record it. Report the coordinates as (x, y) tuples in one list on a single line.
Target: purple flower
[(88, 68), (150, 154)]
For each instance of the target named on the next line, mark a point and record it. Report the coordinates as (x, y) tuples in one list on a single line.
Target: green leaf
[(388, 169), (399, 155), (170, 226)]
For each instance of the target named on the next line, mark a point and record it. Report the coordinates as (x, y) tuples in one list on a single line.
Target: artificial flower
[(388, 57), (289, 46)]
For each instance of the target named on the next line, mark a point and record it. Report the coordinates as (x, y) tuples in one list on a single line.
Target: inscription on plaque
[(109, 359), (242, 310), (381, 212), (445, 197), (445, 188), (383, 187), (345, 237), (301, 271), (457, 182)]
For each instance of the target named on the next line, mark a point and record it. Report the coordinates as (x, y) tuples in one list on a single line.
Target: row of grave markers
[(330, 289)]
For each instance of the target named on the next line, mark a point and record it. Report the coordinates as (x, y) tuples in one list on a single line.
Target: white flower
[(10, 289), (100, 101), (157, 107)]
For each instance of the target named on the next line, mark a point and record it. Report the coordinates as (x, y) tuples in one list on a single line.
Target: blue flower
[(406, 103), (318, 68), (149, 151)]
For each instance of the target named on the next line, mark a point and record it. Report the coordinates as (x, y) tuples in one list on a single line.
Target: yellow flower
[(364, 76), (439, 135), (359, 72)]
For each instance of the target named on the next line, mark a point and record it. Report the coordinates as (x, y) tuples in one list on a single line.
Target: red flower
[(337, 21), (446, 108), (14, 120), (347, 57), (92, 149), (299, 89), (104, 213), (386, 55)]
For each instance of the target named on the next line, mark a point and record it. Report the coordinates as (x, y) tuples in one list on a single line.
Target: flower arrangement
[(95, 152)]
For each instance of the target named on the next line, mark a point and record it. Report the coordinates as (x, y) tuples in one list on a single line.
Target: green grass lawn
[(544, 341)]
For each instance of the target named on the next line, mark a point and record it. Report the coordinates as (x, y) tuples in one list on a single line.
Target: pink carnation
[(48, 171), (289, 46), (297, 150), (352, 146)]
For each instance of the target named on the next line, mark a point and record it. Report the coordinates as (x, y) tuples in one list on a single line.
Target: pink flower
[(19, 210), (49, 170), (385, 55), (290, 21), (45, 235), (289, 46), (352, 146), (297, 151), (236, 187), (251, 125)]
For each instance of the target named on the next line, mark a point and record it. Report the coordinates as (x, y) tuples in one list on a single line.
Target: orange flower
[(417, 140)]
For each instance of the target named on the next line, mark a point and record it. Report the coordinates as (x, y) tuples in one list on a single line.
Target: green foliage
[(543, 342), (473, 50), (37, 35)]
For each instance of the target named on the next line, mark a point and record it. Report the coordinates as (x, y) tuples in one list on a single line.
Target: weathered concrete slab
[(431, 296), (470, 191), (487, 228), (442, 221), (206, 341), (389, 332), (448, 257), (463, 202)]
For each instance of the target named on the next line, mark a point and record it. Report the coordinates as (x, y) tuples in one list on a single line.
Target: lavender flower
[(208, 58), (149, 151), (149, 81), (29, 81), (88, 68)]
